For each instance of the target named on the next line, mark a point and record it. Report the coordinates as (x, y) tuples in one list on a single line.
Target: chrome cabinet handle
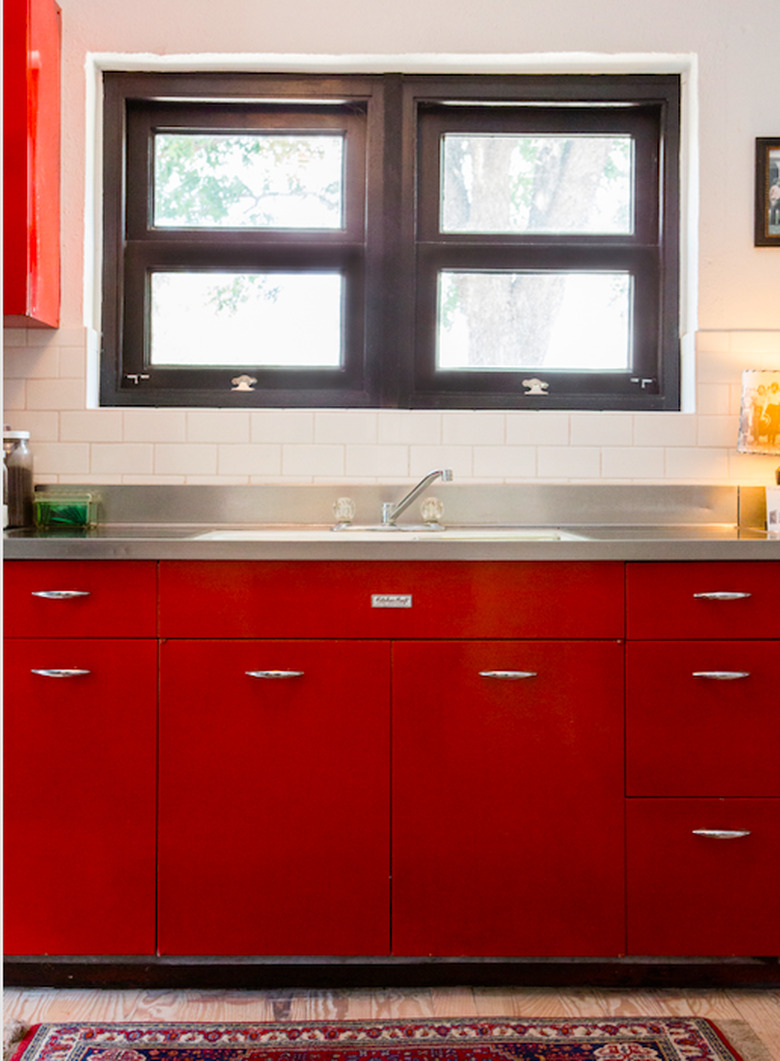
[(722, 675), (721, 834), (60, 594), (721, 596), (507, 675), (274, 673), (71, 672)]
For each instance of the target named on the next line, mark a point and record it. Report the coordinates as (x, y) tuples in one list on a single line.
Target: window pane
[(536, 184), (523, 320), (248, 319), (260, 180)]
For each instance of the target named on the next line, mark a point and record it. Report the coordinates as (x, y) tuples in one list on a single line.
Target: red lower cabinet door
[(508, 798), (703, 876), (80, 722), (274, 798)]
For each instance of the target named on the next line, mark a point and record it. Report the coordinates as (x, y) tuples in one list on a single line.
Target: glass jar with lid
[(17, 478)]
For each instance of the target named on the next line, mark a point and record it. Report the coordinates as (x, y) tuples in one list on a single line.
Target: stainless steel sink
[(395, 534)]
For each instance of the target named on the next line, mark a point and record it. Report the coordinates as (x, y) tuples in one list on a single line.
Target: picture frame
[(767, 220)]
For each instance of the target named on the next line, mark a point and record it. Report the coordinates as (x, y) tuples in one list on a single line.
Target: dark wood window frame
[(390, 249)]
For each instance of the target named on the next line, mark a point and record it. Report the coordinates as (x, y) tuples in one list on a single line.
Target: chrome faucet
[(391, 512)]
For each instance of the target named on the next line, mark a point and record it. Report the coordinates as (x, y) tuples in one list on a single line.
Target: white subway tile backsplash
[(343, 426), (217, 425), (633, 462), (14, 396), (126, 458), (22, 362), (104, 425), (43, 426), (73, 362), (409, 427), (313, 460), (713, 399), (569, 462), (55, 394), (747, 344), (697, 465), (57, 457), (246, 459), (717, 431), (664, 429), (45, 392), (186, 459), (287, 425), (377, 462), (537, 429), (601, 429), (155, 425), (423, 459), (506, 463), (473, 428)]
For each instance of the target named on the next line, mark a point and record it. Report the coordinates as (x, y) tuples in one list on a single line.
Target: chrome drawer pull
[(274, 673), (60, 594), (507, 675), (72, 672), (721, 834), (722, 675), (721, 596)]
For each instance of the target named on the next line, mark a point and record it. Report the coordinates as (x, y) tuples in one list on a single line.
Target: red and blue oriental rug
[(509, 1039)]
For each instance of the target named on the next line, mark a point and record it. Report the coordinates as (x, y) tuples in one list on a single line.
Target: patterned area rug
[(510, 1039)]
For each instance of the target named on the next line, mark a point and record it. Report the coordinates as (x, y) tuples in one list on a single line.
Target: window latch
[(136, 377), (642, 381)]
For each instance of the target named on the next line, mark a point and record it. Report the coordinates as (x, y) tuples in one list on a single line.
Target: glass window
[(391, 241), (236, 181)]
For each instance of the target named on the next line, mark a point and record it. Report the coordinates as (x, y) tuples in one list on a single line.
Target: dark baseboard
[(322, 973)]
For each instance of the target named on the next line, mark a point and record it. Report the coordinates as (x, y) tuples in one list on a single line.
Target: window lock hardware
[(136, 377), (642, 381), (243, 383), (535, 386)]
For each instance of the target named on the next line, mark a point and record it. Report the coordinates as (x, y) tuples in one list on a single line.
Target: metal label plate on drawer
[(391, 600)]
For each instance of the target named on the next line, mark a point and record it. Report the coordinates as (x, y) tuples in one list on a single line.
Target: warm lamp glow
[(759, 418)]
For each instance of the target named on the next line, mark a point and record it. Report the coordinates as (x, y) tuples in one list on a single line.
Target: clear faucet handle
[(432, 510), (344, 509)]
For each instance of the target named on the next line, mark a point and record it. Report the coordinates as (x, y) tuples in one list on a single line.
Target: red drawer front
[(690, 894), (103, 598), (702, 719), (80, 792), (680, 600), (320, 599)]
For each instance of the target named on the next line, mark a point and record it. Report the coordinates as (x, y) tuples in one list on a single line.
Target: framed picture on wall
[(767, 192)]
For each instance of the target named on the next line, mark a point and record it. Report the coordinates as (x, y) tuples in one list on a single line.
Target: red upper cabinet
[(31, 163)]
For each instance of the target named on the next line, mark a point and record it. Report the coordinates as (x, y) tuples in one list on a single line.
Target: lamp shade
[(759, 420)]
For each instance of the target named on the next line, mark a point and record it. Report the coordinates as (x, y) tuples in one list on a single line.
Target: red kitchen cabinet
[(274, 797), (79, 796), (80, 598), (702, 718), (31, 163), (444, 599), (508, 798), (702, 737), (702, 876), (696, 600)]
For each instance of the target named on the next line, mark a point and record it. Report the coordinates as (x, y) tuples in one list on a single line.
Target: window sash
[(391, 249)]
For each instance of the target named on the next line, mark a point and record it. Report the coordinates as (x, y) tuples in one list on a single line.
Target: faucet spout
[(391, 512)]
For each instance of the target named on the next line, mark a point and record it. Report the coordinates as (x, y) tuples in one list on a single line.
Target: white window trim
[(684, 64)]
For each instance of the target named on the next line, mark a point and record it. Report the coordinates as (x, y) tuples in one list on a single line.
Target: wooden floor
[(759, 1008)]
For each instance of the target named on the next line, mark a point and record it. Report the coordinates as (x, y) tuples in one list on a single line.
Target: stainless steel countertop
[(607, 522), (594, 542)]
